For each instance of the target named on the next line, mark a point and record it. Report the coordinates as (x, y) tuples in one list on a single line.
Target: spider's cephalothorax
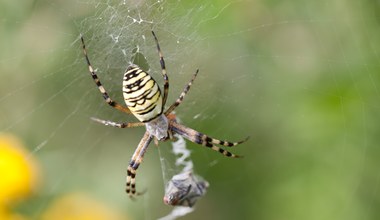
[(143, 98)]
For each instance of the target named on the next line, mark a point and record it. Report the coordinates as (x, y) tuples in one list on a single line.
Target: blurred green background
[(300, 77)]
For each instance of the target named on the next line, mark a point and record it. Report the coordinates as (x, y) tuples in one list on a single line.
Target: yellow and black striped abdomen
[(141, 94)]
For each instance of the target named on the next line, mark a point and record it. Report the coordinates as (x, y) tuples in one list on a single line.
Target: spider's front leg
[(101, 88), (137, 158)]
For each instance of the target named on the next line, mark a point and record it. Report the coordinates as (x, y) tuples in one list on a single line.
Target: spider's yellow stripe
[(142, 94)]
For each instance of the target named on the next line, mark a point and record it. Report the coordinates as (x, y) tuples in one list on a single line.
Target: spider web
[(300, 77)]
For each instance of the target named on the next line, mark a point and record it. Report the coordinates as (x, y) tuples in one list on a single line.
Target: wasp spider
[(144, 100)]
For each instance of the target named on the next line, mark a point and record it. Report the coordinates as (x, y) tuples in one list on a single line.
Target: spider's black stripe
[(111, 103), (129, 173), (145, 98), (131, 99), (148, 109), (207, 139), (226, 153), (139, 86), (209, 145), (136, 83), (162, 62), (96, 79), (198, 139), (134, 73), (146, 112)]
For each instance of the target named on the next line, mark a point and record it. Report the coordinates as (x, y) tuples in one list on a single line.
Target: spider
[(144, 100)]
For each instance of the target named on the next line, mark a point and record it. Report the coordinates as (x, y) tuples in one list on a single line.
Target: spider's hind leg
[(207, 139), (202, 139), (210, 142), (220, 150)]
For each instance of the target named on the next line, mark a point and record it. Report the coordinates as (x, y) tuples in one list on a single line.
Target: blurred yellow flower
[(5, 214), (17, 170), (78, 206)]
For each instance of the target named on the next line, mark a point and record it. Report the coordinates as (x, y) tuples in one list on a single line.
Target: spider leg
[(199, 138), (102, 90), (137, 158), (118, 125), (208, 139), (184, 92), (163, 68)]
